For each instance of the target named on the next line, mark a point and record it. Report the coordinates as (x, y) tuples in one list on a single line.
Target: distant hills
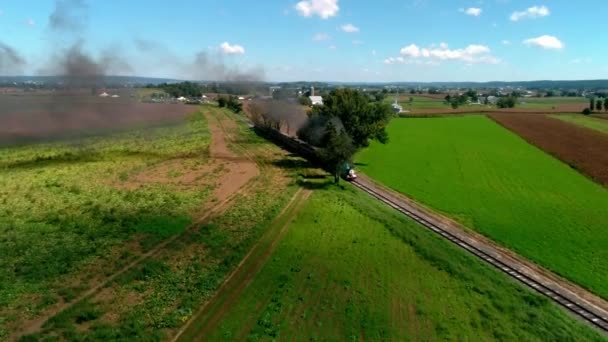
[(139, 81)]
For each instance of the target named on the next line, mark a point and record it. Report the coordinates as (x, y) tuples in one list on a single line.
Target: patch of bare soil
[(239, 170), (579, 147)]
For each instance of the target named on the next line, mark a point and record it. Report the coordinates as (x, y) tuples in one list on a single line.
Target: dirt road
[(210, 315)]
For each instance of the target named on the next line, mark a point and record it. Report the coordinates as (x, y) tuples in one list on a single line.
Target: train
[(301, 148)]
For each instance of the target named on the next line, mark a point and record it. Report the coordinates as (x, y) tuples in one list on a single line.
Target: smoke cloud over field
[(68, 16), (204, 66), (10, 60)]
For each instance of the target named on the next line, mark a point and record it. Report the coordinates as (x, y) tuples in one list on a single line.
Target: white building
[(316, 100), (104, 94)]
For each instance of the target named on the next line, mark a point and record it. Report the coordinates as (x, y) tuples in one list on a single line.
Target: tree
[(598, 105), (586, 111), (305, 101), (337, 149), (506, 102), (606, 104), (592, 104), (363, 120), (222, 101)]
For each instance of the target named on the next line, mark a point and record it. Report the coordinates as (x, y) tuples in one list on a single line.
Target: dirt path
[(206, 320), (238, 171), (574, 292)]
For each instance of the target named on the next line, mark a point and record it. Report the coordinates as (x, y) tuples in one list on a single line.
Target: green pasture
[(492, 181), (350, 268)]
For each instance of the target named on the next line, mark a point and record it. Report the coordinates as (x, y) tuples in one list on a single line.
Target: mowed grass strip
[(351, 268), (597, 124), (492, 181)]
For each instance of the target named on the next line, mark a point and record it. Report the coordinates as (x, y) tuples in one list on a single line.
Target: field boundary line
[(211, 312)]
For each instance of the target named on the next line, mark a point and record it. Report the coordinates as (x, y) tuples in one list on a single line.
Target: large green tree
[(347, 121), (606, 104), (363, 120), (598, 105), (592, 104), (337, 150)]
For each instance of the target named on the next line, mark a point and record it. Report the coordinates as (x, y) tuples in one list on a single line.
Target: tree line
[(596, 105)]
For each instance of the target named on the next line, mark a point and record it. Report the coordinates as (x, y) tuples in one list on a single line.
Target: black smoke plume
[(10, 60)]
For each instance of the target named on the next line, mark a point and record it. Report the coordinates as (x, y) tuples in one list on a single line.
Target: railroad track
[(581, 310)]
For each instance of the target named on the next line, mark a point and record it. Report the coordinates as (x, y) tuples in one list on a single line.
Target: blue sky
[(331, 40)]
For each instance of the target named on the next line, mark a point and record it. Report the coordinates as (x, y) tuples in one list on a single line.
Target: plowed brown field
[(24, 118), (581, 148)]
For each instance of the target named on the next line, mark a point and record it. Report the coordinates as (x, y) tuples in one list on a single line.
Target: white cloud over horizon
[(319, 37), (349, 28), (472, 11), (235, 49), (545, 42), (531, 13), (472, 54), (325, 9)]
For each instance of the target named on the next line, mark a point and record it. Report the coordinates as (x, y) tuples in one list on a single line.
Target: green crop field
[(492, 181), (596, 124), (550, 102), (422, 103), (350, 268)]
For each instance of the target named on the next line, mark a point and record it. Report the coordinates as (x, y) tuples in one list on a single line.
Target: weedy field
[(597, 124), (350, 268), (93, 214), (67, 208), (492, 181)]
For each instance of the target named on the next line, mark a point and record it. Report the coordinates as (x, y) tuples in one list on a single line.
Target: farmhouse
[(316, 100), (491, 100), (104, 94)]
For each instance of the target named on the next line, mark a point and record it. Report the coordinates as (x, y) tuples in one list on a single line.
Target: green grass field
[(597, 124), (350, 268), (152, 300), (492, 181), (422, 103), (549, 102), (66, 208)]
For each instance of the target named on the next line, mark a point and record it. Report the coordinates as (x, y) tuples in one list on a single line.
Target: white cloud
[(30, 22), (506, 42), (374, 52), (349, 28), (235, 49), (1, 12), (545, 42), (581, 61), (472, 11), (319, 37), (323, 8), (472, 54), (357, 42), (332, 47), (531, 13)]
